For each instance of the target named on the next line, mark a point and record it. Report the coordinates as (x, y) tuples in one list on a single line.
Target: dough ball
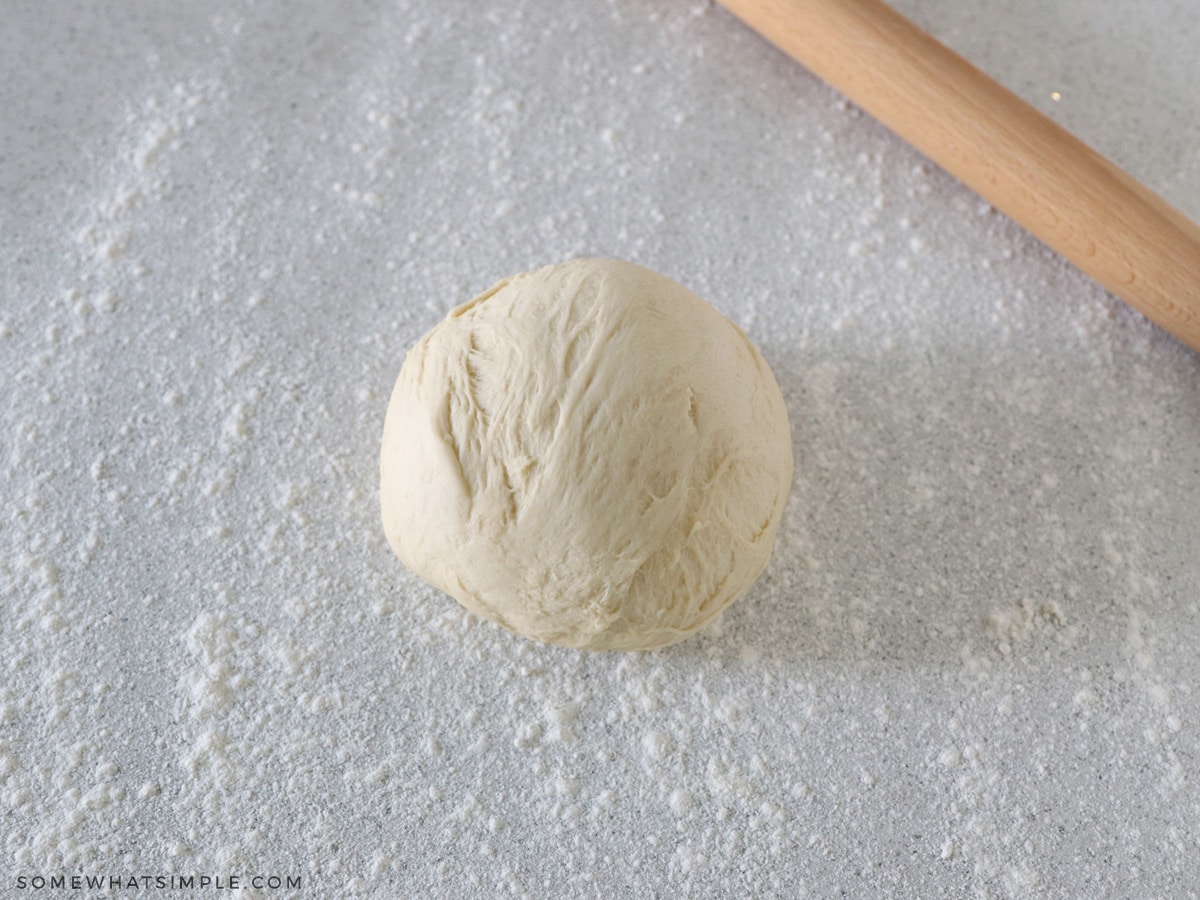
[(588, 455)]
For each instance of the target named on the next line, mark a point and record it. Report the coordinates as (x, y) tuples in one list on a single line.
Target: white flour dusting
[(968, 670)]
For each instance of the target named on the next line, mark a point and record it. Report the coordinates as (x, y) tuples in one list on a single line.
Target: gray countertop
[(970, 668)]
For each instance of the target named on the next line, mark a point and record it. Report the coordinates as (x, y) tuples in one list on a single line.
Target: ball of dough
[(588, 455)]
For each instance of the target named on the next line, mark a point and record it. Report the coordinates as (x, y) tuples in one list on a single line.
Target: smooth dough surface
[(589, 455)]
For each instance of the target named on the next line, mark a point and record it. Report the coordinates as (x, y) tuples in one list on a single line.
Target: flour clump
[(589, 455)]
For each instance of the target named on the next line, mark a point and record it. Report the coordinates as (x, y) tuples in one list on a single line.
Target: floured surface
[(969, 667)]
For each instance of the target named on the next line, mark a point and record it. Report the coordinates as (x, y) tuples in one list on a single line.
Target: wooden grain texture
[(1076, 201)]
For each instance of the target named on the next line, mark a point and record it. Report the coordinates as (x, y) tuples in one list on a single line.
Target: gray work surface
[(971, 666)]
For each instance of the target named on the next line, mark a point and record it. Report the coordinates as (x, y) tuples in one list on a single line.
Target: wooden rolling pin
[(1113, 228)]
